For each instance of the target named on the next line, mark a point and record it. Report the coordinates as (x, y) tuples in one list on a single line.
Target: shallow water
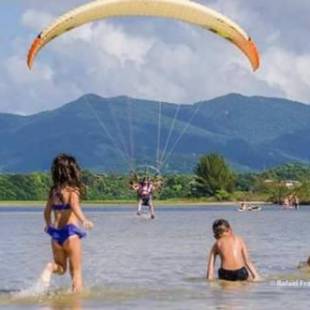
[(136, 263)]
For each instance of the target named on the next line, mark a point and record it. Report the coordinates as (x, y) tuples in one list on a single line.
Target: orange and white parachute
[(183, 10)]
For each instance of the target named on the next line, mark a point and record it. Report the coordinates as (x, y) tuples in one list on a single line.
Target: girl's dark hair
[(219, 227), (65, 172)]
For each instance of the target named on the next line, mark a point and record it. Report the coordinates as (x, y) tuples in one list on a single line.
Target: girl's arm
[(211, 263), (76, 209), (248, 263), (48, 213)]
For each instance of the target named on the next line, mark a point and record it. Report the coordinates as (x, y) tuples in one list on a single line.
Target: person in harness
[(145, 191)]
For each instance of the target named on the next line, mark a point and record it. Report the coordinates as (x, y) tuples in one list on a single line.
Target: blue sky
[(150, 58)]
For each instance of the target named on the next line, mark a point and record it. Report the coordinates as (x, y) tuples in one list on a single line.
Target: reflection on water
[(131, 262)]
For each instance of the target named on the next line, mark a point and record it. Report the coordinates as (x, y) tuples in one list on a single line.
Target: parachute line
[(119, 133), (171, 129), (108, 134), (158, 134), (180, 136), (130, 133)]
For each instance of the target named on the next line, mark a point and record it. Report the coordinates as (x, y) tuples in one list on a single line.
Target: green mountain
[(117, 134)]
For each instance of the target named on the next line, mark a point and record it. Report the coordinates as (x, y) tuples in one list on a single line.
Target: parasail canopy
[(183, 10)]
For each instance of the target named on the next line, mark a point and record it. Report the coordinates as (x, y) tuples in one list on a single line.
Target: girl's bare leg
[(59, 265), (73, 249), (60, 258)]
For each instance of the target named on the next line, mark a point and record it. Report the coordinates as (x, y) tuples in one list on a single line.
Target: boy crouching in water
[(235, 262)]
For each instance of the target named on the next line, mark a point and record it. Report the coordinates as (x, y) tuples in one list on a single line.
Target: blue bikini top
[(61, 207)]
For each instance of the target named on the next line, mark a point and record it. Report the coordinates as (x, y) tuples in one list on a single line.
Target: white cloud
[(162, 60), (20, 75), (35, 19), (288, 72)]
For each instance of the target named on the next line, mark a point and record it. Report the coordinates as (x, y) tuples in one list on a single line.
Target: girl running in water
[(64, 204)]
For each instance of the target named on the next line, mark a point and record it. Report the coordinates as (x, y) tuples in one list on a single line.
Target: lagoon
[(132, 262)]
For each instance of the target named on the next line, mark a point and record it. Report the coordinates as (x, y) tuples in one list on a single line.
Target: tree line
[(212, 179)]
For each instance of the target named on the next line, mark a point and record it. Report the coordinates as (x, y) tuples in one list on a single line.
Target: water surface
[(136, 263)]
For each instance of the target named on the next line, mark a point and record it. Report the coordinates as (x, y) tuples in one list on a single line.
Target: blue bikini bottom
[(62, 234)]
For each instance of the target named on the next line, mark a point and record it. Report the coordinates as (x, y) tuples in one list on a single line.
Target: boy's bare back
[(230, 249)]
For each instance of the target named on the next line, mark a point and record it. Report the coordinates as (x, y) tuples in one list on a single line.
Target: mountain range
[(120, 133)]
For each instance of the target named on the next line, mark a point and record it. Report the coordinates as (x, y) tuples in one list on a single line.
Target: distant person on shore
[(64, 204), (295, 201), (286, 202), (291, 201), (235, 262)]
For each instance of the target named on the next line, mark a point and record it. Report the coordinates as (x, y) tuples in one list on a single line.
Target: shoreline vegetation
[(213, 182)]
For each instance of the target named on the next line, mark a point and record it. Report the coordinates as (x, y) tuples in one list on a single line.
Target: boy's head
[(220, 227)]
